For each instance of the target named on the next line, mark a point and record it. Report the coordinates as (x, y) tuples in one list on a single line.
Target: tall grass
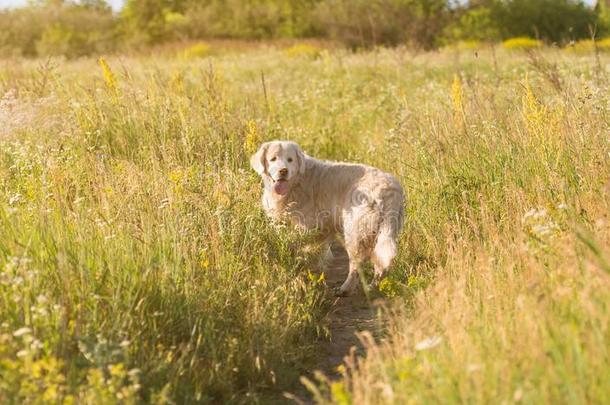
[(130, 240), (509, 208), (137, 266)]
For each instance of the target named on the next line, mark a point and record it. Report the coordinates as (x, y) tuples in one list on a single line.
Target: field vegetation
[(74, 28), (136, 264)]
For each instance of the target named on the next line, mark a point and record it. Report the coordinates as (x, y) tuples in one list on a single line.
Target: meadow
[(136, 265)]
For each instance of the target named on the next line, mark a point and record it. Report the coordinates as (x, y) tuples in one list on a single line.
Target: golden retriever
[(361, 203)]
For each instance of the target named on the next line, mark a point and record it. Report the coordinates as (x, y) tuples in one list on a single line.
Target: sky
[(116, 4)]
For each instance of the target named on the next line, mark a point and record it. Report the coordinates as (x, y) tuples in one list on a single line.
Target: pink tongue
[(281, 187)]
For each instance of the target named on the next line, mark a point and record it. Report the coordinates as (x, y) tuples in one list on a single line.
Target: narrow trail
[(346, 317)]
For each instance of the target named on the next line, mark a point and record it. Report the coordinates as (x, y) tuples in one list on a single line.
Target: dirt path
[(347, 316)]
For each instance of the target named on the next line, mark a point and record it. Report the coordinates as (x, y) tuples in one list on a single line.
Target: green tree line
[(48, 27)]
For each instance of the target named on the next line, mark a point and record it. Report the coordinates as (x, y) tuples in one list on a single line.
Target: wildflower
[(534, 214), (109, 77), (303, 50), (456, 95), (428, 343), (36, 344), (252, 137), (134, 372), (341, 369), (542, 230), (14, 199), (199, 50), (474, 367), (518, 395), (117, 370), (22, 331)]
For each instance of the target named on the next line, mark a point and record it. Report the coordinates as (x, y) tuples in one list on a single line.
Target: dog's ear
[(301, 158), (258, 161)]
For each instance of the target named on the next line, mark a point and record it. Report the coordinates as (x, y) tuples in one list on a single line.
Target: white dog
[(361, 203)]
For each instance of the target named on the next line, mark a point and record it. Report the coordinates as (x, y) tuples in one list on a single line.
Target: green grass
[(134, 250)]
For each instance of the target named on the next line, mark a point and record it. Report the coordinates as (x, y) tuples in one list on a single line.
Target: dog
[(361, 203)]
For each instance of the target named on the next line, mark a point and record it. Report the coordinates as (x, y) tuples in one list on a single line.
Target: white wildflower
[(134, 372), (429, 343), (22, 331), (471, 368), (15, 198)]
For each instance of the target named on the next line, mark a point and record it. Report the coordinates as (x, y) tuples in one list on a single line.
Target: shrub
[(363, 23), (582, 46), (467, 45), (552, 20), (19, 31), (303, 50), (476, 24), (521, 43), (587, 46), (604, 45), (64, 29), (199, 50)]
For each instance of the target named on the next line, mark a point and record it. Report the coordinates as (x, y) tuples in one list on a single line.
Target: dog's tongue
[(281, 187)]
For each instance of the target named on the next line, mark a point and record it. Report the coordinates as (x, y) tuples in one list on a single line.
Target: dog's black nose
[(283, 172)]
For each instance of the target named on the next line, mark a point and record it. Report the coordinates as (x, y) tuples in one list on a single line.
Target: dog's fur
[(361, 203)]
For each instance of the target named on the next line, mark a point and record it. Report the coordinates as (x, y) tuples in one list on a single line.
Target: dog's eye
[(289, 160), (273, 159)]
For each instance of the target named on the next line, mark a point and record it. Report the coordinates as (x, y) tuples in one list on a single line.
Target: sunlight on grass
[(136, 264)]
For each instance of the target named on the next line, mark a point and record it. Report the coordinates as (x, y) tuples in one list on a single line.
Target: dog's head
[(279, 163)]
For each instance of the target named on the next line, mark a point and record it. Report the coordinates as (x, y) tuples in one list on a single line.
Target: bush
[(364, 23), (19, 31), (521, 43), (557, 21), (604, 45), (476, 24), (303, 50), (154, 21), (64, 29), (587, 46), (199, 50)]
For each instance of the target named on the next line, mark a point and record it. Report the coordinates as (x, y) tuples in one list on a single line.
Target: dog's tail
[(386, 247)]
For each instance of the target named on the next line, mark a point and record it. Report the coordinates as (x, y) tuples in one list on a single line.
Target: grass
[(136, 264)]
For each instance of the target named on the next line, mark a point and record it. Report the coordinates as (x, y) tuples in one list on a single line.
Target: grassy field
[(136, 264)]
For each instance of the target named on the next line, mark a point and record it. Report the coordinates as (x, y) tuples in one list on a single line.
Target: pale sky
[(116, 4)]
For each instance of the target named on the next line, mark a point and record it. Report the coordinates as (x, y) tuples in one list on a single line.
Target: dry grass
[(136, 265)]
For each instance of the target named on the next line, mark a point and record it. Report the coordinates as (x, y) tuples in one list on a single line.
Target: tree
[(602, 11), (363, 23), (556, 21), (144, 20), (475, 23)]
